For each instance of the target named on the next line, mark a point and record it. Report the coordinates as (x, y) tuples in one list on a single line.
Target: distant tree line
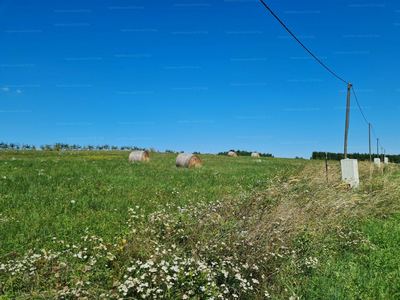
[(64, 147), (245, 153), (358, 156)]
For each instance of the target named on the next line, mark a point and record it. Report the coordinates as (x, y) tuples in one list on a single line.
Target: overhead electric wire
[(320, 63), (373, 131), (301, 43), (359, 105)]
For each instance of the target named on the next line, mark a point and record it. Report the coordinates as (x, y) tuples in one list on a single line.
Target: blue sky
[(204, 76)]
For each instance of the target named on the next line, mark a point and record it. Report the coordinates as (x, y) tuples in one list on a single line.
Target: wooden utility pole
[(377, 147), (346, 132), (326, 166), (370, 156)]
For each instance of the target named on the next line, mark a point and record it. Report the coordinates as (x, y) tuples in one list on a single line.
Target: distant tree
[(358, 156), (12, 146)]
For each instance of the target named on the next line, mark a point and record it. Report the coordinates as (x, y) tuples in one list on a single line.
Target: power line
[(359, 105), (301, 43), (355, 96), (363, 113), (373, 131)]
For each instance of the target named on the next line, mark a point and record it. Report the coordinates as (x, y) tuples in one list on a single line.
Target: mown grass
[(91, 225), (60, 194), (51, 201)]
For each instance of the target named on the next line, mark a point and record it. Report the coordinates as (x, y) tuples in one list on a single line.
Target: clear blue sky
[(204, 76)]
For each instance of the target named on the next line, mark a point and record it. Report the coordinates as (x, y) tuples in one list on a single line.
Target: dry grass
[(310, 200)]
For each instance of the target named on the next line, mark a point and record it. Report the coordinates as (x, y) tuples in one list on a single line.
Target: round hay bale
[(255, 154), (232, 154), (139, 156), (188, 160)]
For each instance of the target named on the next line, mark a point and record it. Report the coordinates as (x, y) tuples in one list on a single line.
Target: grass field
[(89, 224)]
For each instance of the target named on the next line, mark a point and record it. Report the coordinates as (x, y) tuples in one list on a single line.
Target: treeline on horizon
[(245, 153), (63, 147), (358, 156)]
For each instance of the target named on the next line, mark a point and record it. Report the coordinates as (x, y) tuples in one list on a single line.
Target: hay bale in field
[(255, 154), (232, 154), (188, 160), (139, 156)]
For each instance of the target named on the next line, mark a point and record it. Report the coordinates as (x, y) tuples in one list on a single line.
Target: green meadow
[(91, 225)]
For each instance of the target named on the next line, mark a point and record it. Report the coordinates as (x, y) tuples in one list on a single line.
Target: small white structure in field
[(255, 154), (232, 154), (350, 172), (377, 161), (188, 160), (139, 156), (386, 160)]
